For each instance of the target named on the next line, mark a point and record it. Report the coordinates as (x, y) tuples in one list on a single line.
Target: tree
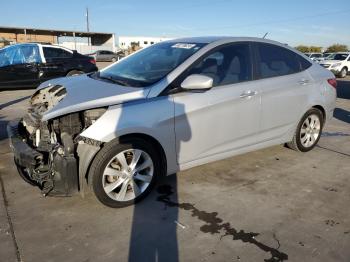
[(337, 48), (315, 49), (303, 48), (309, 49)]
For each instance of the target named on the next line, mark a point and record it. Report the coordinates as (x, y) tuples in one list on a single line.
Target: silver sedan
[(169, 107)]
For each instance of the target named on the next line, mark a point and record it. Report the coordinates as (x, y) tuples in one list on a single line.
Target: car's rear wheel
[(74, 73), (308, 131), (123, 173), (343, 72)]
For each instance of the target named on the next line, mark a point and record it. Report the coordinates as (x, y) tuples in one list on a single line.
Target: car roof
[(213, 39), (19, 44), (40, 44)]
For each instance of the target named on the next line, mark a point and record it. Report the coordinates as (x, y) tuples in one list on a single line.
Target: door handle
[(248, 94), (303, 82)]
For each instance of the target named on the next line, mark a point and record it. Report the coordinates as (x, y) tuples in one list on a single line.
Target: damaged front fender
[(86, 153)]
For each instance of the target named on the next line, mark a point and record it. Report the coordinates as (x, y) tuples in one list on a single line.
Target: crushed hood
[(72, 94)]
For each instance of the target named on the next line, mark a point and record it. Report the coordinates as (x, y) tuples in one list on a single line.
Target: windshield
[(337, 57), (149, 65)]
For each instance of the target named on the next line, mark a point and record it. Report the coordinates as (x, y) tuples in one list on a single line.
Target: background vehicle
[(105, 55), (314, 56), (169, 107), (28, 65), (338, 63), (324, 57)]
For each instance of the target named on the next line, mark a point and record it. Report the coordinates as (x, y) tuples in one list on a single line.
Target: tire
[(114, 59), (306, 137), (343, 72), (116, 183), (74, 73)]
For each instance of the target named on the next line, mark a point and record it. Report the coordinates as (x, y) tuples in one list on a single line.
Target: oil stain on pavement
[(215, 225)]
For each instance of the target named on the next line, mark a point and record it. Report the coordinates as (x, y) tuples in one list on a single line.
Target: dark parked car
[(28, 65), (105, 55)]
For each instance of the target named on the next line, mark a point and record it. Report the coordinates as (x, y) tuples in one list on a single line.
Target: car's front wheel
[(124, 172), (308, 131)]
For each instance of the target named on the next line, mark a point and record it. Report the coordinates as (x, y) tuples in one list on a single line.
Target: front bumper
[(24, 155), (53, 173)]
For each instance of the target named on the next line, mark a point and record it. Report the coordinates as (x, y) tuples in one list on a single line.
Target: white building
[(124, 42)]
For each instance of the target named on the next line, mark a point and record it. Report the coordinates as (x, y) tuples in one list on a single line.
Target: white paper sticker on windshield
[(182, 45)]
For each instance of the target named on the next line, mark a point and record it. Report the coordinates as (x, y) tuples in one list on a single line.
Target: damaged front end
[(47, 153)]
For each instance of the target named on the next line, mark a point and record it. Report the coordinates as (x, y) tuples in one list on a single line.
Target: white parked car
[(338, 63), (324, 57), (314, 56), (169, 107)]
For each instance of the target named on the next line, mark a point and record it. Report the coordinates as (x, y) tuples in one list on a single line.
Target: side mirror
[(197, 82)]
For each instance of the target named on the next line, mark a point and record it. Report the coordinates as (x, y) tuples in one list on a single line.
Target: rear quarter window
[(278, 61), (304, 64)]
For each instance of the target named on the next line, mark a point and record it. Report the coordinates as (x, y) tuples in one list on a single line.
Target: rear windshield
[(149, 65)]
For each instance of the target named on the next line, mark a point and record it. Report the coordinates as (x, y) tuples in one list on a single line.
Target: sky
[(309, 22)]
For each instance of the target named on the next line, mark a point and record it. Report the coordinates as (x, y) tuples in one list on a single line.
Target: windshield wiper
[(113, 80)]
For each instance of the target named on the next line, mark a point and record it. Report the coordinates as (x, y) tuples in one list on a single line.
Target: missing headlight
[(90, 116)]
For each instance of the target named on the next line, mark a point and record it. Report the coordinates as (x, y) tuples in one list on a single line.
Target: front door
[(19, 66), (225, 118)]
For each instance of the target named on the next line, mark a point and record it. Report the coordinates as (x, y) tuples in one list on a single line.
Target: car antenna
[(265, 35)]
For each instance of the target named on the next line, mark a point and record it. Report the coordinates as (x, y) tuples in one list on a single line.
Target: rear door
[(19, 66), (284, 88), (58, 62)]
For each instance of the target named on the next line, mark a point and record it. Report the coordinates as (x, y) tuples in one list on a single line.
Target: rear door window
[(304, 64), (52, 52), (276, 61)]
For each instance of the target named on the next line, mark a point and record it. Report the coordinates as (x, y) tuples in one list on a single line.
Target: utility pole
[(87, 23)]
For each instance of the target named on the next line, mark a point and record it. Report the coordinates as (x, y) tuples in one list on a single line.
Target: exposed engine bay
[(51, 160)]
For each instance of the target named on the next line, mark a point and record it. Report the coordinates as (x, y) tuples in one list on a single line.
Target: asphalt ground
[(270, 205)]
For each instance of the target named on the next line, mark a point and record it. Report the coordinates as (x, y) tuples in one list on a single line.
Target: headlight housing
[(336, 65)]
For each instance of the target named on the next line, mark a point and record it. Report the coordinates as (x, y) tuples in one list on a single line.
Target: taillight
[(332, 82), (92, 61)]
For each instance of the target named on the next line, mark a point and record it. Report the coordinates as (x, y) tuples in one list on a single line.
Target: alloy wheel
[(310, 130), (128, 175)]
